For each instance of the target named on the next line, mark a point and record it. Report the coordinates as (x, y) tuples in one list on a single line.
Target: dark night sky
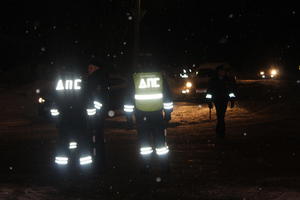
[(244, 33)]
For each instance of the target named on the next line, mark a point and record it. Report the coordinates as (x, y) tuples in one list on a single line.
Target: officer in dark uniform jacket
[(98, 92), (220, 91), (68, 109)]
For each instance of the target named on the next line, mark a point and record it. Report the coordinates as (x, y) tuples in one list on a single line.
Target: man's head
[(92, 68), (221, 72)]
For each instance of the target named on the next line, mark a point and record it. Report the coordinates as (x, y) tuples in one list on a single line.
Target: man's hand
[(167, 117), (129, 122)]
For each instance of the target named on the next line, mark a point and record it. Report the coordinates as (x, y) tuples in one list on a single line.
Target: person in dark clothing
[(149, 98), (220, 91), (98, 94)]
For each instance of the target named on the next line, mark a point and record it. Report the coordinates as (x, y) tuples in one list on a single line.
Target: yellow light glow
[(262, 73), (189, 84), (274, 72)]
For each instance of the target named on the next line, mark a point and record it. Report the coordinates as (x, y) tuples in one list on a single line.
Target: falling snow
[(130, 18), (43, 49), (158, 179)]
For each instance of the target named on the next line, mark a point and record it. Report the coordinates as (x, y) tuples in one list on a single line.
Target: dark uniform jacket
[(221, 88)]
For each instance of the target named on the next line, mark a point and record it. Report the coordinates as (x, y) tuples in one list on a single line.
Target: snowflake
[(43, 49), (223, 40), (231, 16), (53, 27), (294, 12), (27, 31), (122, 53), (52, 63), (130, 18), (124, 43), (76, 42), (169, 29), (158, 179)]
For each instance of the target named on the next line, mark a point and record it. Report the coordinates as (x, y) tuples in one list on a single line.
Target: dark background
[(247, 34)]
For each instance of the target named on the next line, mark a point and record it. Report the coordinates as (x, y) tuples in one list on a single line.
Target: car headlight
[(41, 100), (188, 84), (111, 113), (273, 72)]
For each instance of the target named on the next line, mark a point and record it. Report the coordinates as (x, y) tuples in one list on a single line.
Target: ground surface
[(260, 158)]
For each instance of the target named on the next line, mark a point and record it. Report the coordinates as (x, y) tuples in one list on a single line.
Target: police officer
[(220, 91), (149, 98), (69, 103), (98, 93)]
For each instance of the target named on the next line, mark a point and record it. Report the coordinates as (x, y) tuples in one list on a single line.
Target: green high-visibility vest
[(148, 91)]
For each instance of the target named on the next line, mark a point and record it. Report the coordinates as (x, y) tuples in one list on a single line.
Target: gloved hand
[(129, 122), (231, 104), (167, 116), (210, 105)]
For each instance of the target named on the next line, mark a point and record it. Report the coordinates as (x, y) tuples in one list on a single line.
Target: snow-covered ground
[(260, 158)]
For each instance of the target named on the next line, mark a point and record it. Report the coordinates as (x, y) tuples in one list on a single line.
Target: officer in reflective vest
[(150, 100)]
